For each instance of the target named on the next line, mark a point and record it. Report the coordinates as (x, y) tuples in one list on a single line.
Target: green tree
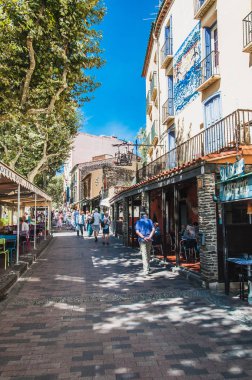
[(47, 48), (55, 190), (143, 141)]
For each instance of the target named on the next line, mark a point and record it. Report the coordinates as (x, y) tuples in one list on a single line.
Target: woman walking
[(105, 224), (89, 226)]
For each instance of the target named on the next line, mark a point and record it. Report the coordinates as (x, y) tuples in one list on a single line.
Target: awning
[(105, 202), (9, 182)]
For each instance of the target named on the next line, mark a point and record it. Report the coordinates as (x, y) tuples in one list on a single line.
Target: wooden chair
[(5, 252)]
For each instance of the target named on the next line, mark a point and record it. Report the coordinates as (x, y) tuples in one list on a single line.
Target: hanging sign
[(232, 170), (238, 189)]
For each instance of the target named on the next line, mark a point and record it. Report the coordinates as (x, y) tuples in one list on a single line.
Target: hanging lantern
[(249, 208), (124, 155)]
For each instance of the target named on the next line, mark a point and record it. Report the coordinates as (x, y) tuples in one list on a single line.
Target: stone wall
[(118, 176), (208, 227)]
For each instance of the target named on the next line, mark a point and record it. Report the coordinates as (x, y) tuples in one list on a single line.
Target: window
[(214, 136), (170, 95), (212, 109), (171, 147), (168, 38), (211, 50)]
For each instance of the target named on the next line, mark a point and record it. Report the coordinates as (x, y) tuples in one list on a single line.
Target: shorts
[(96, 227), (105, 231)]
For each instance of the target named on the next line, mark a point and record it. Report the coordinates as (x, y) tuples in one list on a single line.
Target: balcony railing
[(167, 53), (148, 103), (168, 111), (227, 134), (154, 132), (210, 72), (153, 86), (201, 7), (247, 33)]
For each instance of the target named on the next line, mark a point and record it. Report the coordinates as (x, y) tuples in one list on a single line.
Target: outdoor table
[(244, 262)]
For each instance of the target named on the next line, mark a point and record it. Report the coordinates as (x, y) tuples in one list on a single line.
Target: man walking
[(96, 220), (81, 223), (145, 230)]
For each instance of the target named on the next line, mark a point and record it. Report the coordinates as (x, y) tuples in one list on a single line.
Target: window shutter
[(208, 64)]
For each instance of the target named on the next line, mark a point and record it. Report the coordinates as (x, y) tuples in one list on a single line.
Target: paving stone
[(92, 315)]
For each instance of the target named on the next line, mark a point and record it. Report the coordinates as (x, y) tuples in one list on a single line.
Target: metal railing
[(227, 134), (197, 5), (247, 30), (209, 66), (167, 109), (167, 49), (153, 84)]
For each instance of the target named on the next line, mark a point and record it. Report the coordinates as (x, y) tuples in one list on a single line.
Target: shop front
[(235, 196), (175, 201)]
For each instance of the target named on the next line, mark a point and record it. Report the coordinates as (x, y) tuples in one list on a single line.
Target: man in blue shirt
[(145, 230)]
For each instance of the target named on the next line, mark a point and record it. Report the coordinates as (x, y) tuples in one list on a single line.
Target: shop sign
[(232, 170), (236, 190)]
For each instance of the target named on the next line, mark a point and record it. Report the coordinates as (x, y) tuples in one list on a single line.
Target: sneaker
[(96, 239), (107, 243), (103, 242), (147, 273)]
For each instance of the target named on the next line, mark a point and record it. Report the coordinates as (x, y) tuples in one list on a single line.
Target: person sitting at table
[(189, 238), (157, 235)]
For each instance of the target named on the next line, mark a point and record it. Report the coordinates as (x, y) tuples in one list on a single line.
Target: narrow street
[(85, 311)]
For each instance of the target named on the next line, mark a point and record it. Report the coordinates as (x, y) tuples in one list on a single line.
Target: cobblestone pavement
[(84, 310)]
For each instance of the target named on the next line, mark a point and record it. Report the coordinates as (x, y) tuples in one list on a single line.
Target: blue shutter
[(168, 38), (171, 148), (170, 95), (208, 66), (171, 41), (167, 32)]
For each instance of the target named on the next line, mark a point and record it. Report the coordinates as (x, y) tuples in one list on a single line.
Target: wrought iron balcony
[(247, 33), (230, 133), (153, 86), (167, 53), (201, 7), (168, 111), (210, 72), (148, 103), (154, 132)]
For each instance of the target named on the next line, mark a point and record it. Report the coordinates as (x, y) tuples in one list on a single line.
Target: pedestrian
[(145, 230), (88, 223), (60, 220), (105, 224), (96, 220), (80, 223)]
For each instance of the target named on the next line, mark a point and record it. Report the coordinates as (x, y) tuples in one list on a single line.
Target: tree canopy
[(55, 190), (47, 48)]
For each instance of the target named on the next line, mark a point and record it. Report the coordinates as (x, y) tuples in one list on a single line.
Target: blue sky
[(118, 107)]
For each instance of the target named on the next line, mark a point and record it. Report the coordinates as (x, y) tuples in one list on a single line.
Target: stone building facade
[(198, 117)]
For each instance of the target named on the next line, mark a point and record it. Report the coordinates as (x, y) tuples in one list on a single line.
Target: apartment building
[(86, 148), (198, 72)]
